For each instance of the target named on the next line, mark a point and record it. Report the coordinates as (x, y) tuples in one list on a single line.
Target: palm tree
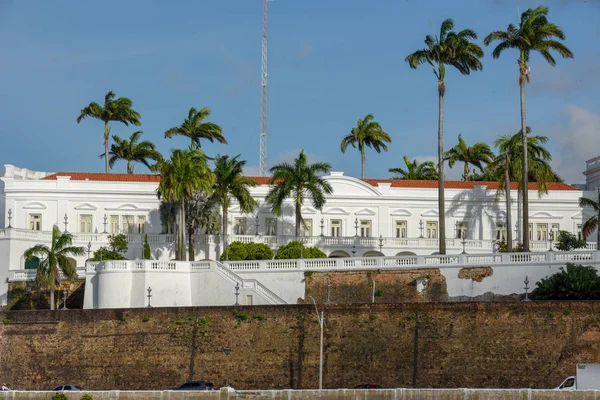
[(195, 128), (198, 209), (456, 50), (367, 133), (509, 163), (534, 33), (54, 258), (592, 222), (232, 184), (130, 150), (415, 171), (300, 181), (185, 173), (119, 110), (476, 155)]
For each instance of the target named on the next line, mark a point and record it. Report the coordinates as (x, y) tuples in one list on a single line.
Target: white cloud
[(580, 141), (565, 78)]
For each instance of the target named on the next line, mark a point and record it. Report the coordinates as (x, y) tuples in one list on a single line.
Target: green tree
[(300, 180), (577, 282), (592, 223), (231, 184), (247, 251), (132, 151), (183, 174), (147, 252), (117, 248), (367, 133), (476, 155), (198, 209), (448, 49), (236, 251), (295, 249), (534, 33), (508, 163), (566, 241), (119, 110), (54, 260), (415, 170), (194, 128)]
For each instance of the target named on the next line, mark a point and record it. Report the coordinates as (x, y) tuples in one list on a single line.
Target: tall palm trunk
[(441, 200), (466, 172), (525, 185), (363, 158), (129, 167), (225, 218), (509, 244), (106, 133), (191, 245), (180, 247), (298, 214)]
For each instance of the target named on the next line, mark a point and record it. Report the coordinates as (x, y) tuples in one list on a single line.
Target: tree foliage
[(592, 223), (415, 170), (116, 250), (367, 133), (239, 251), (477, 155), (147, 252), (295, 249), (194, 128), (567, 241), (576, 282), (132, 151)]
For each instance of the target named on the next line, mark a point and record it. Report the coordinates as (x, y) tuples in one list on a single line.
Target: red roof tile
[(264, 180)]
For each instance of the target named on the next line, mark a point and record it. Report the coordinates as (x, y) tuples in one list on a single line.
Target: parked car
[(196, 385), (67, 388), (367, 386)]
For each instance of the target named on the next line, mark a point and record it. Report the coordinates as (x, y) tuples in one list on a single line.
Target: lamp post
[(105, 223), (381, 245), (421, 228), (64, 299), (356, 227), (321, 320), (89, 248), (551, 238), (257, 224), (9, 217), (227, 351), (456, 235), (526, 281), (237, 293), (149, 295), (66, 222), (353, 250), (322, 225)]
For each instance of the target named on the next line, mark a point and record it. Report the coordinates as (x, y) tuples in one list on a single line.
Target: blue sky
[(330, 63)]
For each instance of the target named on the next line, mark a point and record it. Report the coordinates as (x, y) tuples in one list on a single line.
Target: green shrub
[(373, 317), (146, 318), (308, 273), (236, 252), (259, 317), (294, 250), (147, 252), (567, 241), (5, 321), (87, 396), (258, 251), (313, 252), (59, 396), (240, 316), (576, 282), (379, 293)]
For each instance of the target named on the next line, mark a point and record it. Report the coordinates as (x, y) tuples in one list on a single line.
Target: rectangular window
[(35, 222), (114, 224), (554, 231), (462, 230), (365, 228), (530, 232), (431, 229), (140, 224), (306, 228), (248, 299), (580, 232), (500, 230), (401, 229), (85, 223), (127, 224), (541, 232), (271, 226), (336, 227), (239, 226)]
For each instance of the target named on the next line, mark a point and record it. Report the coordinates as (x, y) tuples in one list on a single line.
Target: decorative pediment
[(430, 213), (126, 207), (401, 212), (308, 210), (336, 211), (34, 206), (365, 211), (578, 216), (86, 207), (544, 215)]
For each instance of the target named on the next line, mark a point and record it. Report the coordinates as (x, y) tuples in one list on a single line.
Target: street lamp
[(66, 222), (356, 227), (9, 217), (64, 299), (421, 228), (551, 238), (321, 320), (149, 295), (381, 245), (526, 281), (257, 224), (105, 223), (322, 225), (237, 293), (89, 248), (227, 351)]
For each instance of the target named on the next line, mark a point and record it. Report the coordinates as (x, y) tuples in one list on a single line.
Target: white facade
[(362, 218), (592, 174)]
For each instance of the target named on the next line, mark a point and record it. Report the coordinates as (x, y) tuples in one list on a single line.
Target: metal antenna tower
[(262, 167)]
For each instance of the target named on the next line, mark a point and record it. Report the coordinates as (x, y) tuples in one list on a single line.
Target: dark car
[(197, 385), (367, 386), (67, 387)]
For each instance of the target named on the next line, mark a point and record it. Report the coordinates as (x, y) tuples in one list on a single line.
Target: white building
[(592, 174), (362, 218)]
